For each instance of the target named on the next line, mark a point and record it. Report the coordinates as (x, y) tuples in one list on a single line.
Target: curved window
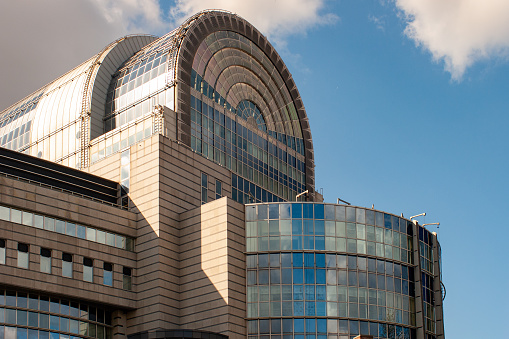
[(20, 110), (323, 227), (45, 317), (139, 78), (228, 68), (248, 111), (323, 270)]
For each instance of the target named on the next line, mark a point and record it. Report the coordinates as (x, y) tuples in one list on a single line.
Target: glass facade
[(139, 79), (319, 270), (243, 117), (32, 316), (65, 227)]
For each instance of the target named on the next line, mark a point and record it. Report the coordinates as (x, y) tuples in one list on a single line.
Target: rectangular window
[(219, 189), (88, 270), (204, 188), (127, 278), (45, 260), (108, 274), (22, 255), (2, 251), (67, 265)]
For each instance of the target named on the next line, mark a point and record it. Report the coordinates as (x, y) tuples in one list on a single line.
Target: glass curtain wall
[(322, 270), (242, 117)]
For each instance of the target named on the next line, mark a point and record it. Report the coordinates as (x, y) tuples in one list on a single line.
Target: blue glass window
[(307, 211), (319, 243), (320, 276), (298, 274), (262, 211), (251, 277), (296, 211), (286, 260), (321, 293), (309, 260), (263, 277), (310, 325), (297, 243), (54, 323), (252, 326), (275, 276), (275, 326), (331, 260), (309, 243), (33, 334), (296, 227), (319, 211), (308, 226), (286, 276), (274, 260), (310, 276), (320, 259), (274, 211), (364, 328), (298, 259), (387, 221), (342, 277), (287, 325), (298, 293), (352, 278), (263, 260), (298, 309), (354, 327), (285, 211), (310, 292), (350, 214), (321, 325), (319, 227), (298, 325), (22, 333), (352, 262), (264, 326), (310, 308)]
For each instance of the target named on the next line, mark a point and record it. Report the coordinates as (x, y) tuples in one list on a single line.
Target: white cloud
[(139, 16), (277, 19), (42, 40), (458, 32), (379, 22)]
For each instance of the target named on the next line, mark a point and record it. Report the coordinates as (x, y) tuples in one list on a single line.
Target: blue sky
[(391, 128), (407, 100)]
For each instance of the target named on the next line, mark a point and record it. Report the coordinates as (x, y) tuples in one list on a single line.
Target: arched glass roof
[(49, 123)]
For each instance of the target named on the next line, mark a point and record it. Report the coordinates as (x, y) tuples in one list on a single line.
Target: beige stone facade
[(188, 261)]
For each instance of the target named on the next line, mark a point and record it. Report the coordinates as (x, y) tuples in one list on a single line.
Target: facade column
[(119, 323)]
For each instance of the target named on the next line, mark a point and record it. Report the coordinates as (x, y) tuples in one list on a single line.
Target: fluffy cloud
[(41, 40), (459, 32), (139, 16), (275, 19)]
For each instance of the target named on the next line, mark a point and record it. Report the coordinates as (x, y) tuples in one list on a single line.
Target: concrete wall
[(165, 181), (213, 275), (53, 203)]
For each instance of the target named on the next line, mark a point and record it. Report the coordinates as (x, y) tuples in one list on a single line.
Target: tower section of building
[(318, 270)]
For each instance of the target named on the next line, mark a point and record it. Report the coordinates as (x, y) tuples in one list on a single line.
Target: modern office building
[(150, 192)]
